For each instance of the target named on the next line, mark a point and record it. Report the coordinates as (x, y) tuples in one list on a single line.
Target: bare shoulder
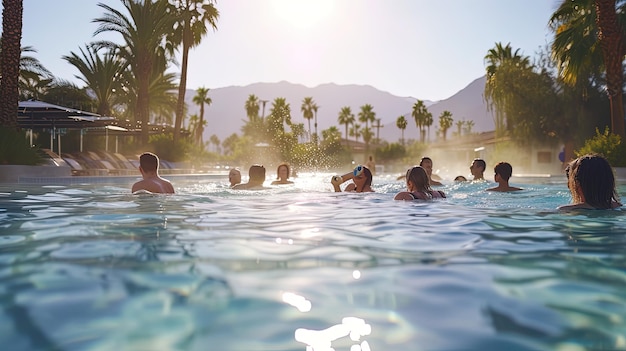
[(404, 195)]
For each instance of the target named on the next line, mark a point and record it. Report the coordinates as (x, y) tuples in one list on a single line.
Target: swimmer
[(361, 180), (151, 182)]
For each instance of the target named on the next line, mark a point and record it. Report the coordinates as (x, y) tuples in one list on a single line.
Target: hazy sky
[(427, 49)]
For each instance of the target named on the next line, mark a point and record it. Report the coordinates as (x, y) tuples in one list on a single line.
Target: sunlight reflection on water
[(300, 267)]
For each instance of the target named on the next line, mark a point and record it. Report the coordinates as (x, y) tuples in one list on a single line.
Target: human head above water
[(283, 165), (504, 169), (149, 162), (234, 176), (256, 174), (478, 167), (368, 177), (591, 180), (418, 177)]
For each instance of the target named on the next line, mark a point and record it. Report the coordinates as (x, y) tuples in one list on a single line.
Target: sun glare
[(303, 13)]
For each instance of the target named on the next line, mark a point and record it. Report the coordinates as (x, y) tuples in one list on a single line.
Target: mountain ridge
[(226, 115)]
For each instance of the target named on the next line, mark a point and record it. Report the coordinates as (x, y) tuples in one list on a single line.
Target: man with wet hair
[(503, 172), (477, 168), (256, 178), (427, 163), (151, 182)]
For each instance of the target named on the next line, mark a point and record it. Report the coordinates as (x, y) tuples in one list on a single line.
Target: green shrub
[(607, 144), (15, 150), (163, 145)]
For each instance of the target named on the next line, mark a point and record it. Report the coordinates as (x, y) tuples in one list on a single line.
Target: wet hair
[(419, 177), (480, 162), (425, 158), (149, 162), (283, 164), (593, 175), (460, 179), (504, 169), (256, 173), (368, 177)]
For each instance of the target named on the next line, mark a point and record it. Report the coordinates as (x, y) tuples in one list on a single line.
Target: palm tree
[(589, 35), (346, 117), (10, 61), (611, 38), (280, 114), (193, 125), (252, 107), (355, 131), (315, 108), (101, 74), (367, 115), (459, 127), (445, 122), (499, 59), (202, 98), (33, 86), (421, 116), (215, 140), (144, 33), (34, 78), (401, 123), (468, 126), (307, 111), (193, 16)]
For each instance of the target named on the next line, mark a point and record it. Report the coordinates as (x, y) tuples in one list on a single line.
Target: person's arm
[(337, 180)]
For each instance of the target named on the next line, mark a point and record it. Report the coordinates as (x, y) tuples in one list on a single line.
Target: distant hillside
[(226, 115)]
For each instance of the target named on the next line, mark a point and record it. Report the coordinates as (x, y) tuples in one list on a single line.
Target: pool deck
[(49, 175)]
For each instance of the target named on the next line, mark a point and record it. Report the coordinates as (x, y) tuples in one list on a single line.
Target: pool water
[(302, 268)]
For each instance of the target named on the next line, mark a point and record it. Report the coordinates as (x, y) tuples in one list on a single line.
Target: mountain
[(226, 115)]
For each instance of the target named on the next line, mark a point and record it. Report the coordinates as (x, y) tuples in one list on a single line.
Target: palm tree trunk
[(612, 44), (182, 89), (10, 61)]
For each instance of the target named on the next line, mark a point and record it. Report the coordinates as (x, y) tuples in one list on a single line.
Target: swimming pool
[(86, 267)]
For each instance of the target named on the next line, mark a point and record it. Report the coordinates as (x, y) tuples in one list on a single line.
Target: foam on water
[(299, 267)]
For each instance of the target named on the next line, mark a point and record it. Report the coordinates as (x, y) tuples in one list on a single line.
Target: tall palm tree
[(252, 107), (143, 32), (459, 127), (215, 140), (346, 117), (611, 38), (202, 98), (34, 78), (315, 108), (280, 114), (445, 123), (193, 17), (307, 111), (10, 61), (101, 74), (589, 35), (401, 123), (421, 116), (499, 59), (355, 131), (367, 115)]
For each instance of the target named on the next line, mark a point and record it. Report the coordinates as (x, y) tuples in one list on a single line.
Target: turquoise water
[(302, 268)]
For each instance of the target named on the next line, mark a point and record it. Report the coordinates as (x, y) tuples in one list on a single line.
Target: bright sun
[(302, 13)]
